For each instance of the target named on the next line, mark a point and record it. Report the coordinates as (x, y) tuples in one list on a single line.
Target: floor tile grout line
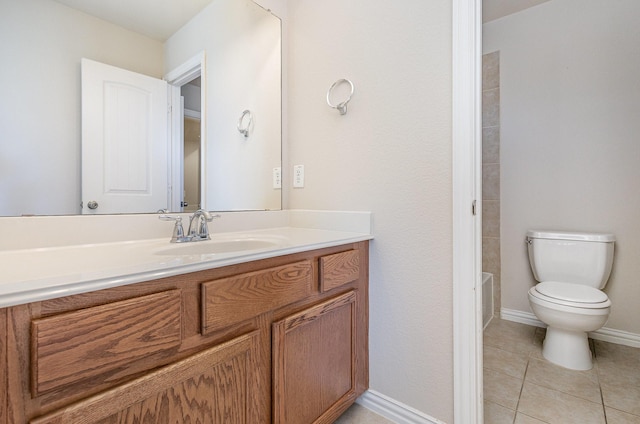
[(550, 386), (524, 377), (529, 358), (595, 364)]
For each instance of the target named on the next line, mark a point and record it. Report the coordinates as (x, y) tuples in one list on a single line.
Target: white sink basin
[(218, 246)]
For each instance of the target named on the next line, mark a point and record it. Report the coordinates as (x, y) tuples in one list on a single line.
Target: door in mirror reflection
[(124, 141)]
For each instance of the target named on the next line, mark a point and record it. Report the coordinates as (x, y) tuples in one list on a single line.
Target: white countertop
[(35, 274)]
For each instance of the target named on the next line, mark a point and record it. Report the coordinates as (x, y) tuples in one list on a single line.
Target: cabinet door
[(213, 386), (314, 362)]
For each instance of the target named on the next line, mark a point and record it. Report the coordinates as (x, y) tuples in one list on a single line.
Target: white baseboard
[(616, 336), (605, 334), (394, 410), (521, 317)]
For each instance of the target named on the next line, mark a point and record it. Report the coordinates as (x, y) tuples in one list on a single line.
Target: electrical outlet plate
[(277, 177), (298, 176)]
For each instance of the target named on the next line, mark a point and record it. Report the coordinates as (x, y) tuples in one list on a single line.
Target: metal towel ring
[(342, 106), (245, 130)]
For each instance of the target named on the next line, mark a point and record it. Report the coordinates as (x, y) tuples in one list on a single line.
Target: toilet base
[(569, 349)]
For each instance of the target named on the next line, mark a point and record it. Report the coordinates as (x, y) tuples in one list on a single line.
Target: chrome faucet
[(198, 226)]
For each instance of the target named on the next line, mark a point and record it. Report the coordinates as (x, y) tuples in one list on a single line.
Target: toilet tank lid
[(570, 235)]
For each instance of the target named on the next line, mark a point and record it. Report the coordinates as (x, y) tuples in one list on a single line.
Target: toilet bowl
[(571, 268), (570, 312)]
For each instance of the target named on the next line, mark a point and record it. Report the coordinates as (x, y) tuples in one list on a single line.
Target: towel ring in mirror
[(342, 106), (245, 124)]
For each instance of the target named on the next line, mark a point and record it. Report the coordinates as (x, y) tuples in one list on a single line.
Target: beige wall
[(390, 154), (570, 102), (41, 44)]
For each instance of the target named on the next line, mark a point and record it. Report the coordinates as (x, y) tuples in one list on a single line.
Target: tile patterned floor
[(357, 414), (521, 387)]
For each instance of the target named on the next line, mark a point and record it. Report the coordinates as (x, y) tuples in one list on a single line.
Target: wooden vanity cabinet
[(280, 340)]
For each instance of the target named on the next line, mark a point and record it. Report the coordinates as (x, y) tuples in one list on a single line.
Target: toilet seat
[(569, 294)]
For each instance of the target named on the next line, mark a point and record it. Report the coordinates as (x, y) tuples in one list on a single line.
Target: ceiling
[(158, 19), (495, 9)]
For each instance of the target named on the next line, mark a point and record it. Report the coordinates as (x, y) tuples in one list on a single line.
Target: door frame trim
[(467, 227), (192, 68)]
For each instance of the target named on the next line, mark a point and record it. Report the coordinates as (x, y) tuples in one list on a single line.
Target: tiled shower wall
[(491, 171)]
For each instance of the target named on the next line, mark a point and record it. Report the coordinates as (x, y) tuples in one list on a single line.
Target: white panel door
[(124, 141)]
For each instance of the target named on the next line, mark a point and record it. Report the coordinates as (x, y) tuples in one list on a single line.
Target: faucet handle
[(165, 217), (209, 217), (178, 230), (206, 214), (203, 229)]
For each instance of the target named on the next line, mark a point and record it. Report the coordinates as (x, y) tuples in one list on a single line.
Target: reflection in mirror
[(192, 151), (43, 42)]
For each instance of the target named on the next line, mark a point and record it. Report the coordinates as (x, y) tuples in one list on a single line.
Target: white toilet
[(571, 268)]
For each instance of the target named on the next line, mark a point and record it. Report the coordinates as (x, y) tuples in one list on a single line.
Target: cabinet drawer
[(235, 299), (214, 386), (338, 269), (100, 340)]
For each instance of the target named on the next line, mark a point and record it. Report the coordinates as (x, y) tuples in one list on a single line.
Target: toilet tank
[(580, 258)]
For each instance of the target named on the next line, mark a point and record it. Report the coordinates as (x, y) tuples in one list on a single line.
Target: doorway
[(192, 128), (187, 129)]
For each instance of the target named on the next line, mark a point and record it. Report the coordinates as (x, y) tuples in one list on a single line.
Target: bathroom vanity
[(265, 338)]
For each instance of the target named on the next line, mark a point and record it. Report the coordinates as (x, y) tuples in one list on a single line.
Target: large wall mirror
[(238, 46)]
